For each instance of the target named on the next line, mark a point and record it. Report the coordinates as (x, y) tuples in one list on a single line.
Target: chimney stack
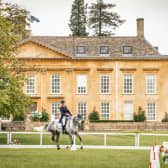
[(140, 27)]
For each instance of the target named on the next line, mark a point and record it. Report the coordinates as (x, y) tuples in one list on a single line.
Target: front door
[(128, 111)]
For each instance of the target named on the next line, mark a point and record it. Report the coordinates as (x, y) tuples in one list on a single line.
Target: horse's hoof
[(58, 148), (67, 147), (81, 147)]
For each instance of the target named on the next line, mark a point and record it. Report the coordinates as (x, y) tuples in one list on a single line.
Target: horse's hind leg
[(57, 140), (71, 139), (81, 143)]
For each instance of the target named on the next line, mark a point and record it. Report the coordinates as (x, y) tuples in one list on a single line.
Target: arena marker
[(153, 148), (150, 165), (154, 155)]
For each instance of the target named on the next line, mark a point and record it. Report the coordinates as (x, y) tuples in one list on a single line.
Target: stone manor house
[(115, 75)]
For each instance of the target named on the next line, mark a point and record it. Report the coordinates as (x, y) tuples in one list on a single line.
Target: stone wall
[(139, 126), (13, 126)]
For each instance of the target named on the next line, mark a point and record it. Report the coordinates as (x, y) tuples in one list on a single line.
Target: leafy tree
[(12, 98), (78, 18), (140, 117), (102, 19)]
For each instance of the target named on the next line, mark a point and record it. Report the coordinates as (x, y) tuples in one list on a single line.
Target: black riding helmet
[(62, 101)]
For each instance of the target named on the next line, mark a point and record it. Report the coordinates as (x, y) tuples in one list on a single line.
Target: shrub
[(45, 116), (140, 117), (18, 117), (94, 116), (165, 119)]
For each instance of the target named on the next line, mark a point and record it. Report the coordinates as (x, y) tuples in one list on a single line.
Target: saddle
[(63, 124)]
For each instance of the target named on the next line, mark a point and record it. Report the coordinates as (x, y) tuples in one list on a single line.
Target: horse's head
[(77, 119)]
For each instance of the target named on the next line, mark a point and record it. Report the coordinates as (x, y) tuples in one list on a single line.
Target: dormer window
[(127, 50), (104, 50), (80, 50)]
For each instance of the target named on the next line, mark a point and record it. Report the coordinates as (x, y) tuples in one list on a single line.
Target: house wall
[(69, 68)]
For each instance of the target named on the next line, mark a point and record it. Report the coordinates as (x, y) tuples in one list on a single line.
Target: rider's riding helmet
[(62, 101)]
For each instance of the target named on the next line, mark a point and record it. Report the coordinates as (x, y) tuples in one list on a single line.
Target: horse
[(72, 126)]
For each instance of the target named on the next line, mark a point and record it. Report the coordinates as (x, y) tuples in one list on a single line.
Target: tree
[(12, 98), (102, 19), (78, 18)]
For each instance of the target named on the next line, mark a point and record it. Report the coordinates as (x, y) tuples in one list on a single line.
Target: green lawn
[(52, 158), (162, 165)]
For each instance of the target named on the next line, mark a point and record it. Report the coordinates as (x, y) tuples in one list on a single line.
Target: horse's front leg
[(57, 140), (81, 143)]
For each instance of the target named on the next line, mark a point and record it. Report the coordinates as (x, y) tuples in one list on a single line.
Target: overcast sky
[(54, 18)]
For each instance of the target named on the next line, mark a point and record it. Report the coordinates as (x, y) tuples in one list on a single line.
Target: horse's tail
[(46, 126)]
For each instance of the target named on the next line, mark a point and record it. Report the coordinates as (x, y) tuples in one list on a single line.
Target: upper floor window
[(80, 50), (151, 111), (127, 50), (31, 84), (104, 50), (82, 109), (128, 84), (105, 111), (81, 84), (55, 84), (104, 84), (151, 84)]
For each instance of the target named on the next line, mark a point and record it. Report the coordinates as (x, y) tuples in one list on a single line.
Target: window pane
[(82, 109), (151, 109), (30, 86), (55, 109), (55, 84), (81, 84), (104, 50), (80, 49), (151, 84), (105, 111), (127, 49), (105, 84), (128, 84)]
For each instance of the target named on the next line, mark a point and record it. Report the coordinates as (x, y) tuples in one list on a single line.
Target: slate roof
[(66, 45)]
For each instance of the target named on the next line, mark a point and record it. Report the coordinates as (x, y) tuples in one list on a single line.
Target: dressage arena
[(100, 149)]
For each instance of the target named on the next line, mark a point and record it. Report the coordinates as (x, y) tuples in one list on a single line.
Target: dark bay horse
[(71, 129)]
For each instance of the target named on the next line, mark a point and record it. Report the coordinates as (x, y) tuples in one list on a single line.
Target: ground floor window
[(105, 111), (55, 109), (82, 108), (128, 111), (151, 111)]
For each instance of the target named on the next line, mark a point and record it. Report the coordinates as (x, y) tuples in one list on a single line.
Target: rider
[(64, 112)]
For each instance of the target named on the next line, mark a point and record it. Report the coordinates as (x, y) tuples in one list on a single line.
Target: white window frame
[(77, 87), (149, 118), (34, 91), (51, 84), (124, 91), (104, 118), (82, 113), (126, 53), (80, 53), (153, 82), (100, 80), (58, 111), (104, 54)]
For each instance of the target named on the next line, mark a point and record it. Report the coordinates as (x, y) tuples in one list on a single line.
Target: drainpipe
[(116, 89)]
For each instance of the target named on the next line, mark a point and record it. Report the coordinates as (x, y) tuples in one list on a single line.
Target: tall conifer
[(78, 18), (102, 19)]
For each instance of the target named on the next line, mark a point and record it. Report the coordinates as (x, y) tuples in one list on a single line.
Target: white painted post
[(105, 139), (8, 138), (137, 139), (41, 138)]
